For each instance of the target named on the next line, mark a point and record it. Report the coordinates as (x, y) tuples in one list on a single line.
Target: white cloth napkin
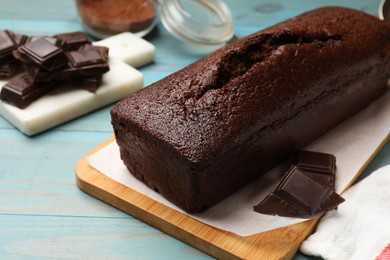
[(360, 227)]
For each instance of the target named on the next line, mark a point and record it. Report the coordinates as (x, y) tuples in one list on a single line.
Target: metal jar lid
[(384, 10), (203, 23)]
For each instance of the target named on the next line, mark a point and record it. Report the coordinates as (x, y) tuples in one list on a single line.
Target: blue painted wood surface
[(42, 212)]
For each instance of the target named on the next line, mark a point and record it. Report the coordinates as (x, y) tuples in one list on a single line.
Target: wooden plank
[(280, 243)]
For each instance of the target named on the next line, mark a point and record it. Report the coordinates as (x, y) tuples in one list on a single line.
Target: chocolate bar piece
[(90, 84), (69, 72), (21, 91), (42, 53), (321, 166), (307, 189), (9, 41), (7, 45), (48, 61), (9, 69), (20, 39), (73, 41), (299, 195), (85, 57), (53, 40), (83, 63), (103, 50)]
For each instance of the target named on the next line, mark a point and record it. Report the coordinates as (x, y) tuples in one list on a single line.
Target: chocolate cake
[(207, 130)]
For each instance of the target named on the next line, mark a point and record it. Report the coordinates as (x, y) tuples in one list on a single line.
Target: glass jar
[(204, 23), (103, 18)]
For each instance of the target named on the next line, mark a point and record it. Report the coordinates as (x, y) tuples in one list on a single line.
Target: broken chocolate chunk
[(9, 41), (321, 166), (20, 39), (73, 41), (7, 45), (48, 62), (68, 72), (88, 62), (21, 91), (53, 40), (299, 195), (9, 69), (306, 190), (85, 57), (42, 53), (103, 50), (90, 84)]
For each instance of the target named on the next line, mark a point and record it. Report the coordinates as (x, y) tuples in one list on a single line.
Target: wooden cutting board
[(280, 243)]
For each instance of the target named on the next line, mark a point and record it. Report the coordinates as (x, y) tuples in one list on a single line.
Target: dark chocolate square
[(41, 49), (9, 69), (20, 39), (322, 163), (299, 194), (7, 44), (320, 166), (90, 84), (300, 189), (22, 91), (73, 40), (43, 53), (103, 50), (85, 57)]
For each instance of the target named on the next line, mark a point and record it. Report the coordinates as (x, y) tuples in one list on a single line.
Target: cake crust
[(207, 130)]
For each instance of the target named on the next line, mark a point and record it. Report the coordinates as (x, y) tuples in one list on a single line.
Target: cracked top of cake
[(219, 104)]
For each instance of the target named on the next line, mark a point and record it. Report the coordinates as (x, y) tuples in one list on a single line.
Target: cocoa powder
[(114, 16)]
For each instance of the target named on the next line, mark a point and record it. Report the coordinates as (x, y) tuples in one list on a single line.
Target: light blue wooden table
[(42, 212)]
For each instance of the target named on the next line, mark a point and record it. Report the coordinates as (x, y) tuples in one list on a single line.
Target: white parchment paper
[(352, 142)]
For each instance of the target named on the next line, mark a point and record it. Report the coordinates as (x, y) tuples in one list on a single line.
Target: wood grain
[(281, 243)]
